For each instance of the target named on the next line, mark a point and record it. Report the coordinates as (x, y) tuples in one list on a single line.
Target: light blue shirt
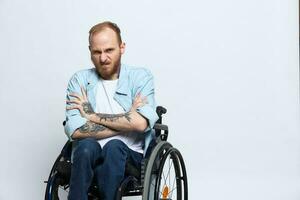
[(132, 81)]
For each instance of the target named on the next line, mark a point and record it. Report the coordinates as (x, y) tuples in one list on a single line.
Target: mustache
[(105, 63)]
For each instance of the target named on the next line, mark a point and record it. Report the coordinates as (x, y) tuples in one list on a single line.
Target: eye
[(109, 50), (96, 52)]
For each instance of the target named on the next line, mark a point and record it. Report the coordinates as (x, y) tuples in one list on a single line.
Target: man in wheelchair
[(109, 115), (117, 145)]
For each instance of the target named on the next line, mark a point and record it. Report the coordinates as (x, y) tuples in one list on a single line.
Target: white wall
[(227, 71)]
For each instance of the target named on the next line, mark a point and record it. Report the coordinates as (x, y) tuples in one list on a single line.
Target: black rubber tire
[(52, 187), (51, 180)]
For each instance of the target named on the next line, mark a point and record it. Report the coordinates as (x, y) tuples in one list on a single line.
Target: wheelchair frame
[(147, 182)]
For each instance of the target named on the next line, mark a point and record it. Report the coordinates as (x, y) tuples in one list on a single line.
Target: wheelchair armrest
[(158, 131), (162, 127)]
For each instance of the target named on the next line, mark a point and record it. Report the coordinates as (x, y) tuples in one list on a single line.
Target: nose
[(103, 57)]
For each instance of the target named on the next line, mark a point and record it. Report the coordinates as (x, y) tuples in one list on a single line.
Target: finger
[(139, 100), (76, 96), (74, 101), (72, 107), (83, 93), (138, 96), (139, 105)]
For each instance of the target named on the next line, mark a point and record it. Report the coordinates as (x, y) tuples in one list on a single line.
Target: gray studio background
[(226, 70)]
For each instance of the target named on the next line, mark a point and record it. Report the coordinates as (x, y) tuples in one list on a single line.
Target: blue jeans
[(106, 166)]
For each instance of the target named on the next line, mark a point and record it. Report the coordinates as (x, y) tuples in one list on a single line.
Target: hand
[(81, 103), (139, 101)]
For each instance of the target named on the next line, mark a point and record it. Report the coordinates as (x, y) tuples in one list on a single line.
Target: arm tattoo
[(113, 117), (91, 128), (87, 108)]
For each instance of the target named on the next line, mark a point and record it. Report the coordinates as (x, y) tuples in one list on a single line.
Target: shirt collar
[(123, 82)]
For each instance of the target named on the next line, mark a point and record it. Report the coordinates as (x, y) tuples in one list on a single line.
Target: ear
[(122, 47)]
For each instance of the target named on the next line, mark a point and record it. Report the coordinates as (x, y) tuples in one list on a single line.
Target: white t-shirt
[(106, 104)]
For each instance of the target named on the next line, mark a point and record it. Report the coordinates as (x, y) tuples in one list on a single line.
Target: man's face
[(106, 53)]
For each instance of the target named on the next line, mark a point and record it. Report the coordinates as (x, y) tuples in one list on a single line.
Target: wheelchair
[(162, 175)]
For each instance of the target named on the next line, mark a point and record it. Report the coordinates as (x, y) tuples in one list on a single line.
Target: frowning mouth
[(106, 66)]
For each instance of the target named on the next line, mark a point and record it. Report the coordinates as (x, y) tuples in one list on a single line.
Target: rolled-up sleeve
[(74, 120), (72, 124), (146, 89)]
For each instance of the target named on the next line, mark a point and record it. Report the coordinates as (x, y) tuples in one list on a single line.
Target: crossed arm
[(100, 125)]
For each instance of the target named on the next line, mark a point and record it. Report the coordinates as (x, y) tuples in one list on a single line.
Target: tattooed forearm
[(91, 128), (87, 108), (113, 117)]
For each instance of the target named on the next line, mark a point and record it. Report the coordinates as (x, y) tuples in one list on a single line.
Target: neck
[(110, 78)]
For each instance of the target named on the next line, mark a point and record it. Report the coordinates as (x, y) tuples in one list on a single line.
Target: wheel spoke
[(172, 191), (170, 166), (173, 187), (167, 177), (169, 170)]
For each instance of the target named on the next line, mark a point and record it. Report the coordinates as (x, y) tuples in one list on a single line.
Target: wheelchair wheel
[(58, 181), (165, 177), (57, 191), (57, 185)]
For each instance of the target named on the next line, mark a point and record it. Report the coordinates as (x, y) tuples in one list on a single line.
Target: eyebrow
[(108, 49)]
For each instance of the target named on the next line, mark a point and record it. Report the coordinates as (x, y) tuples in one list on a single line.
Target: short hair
[(103, 25)]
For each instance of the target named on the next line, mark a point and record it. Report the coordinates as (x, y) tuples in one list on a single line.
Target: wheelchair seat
[(162, 175)]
